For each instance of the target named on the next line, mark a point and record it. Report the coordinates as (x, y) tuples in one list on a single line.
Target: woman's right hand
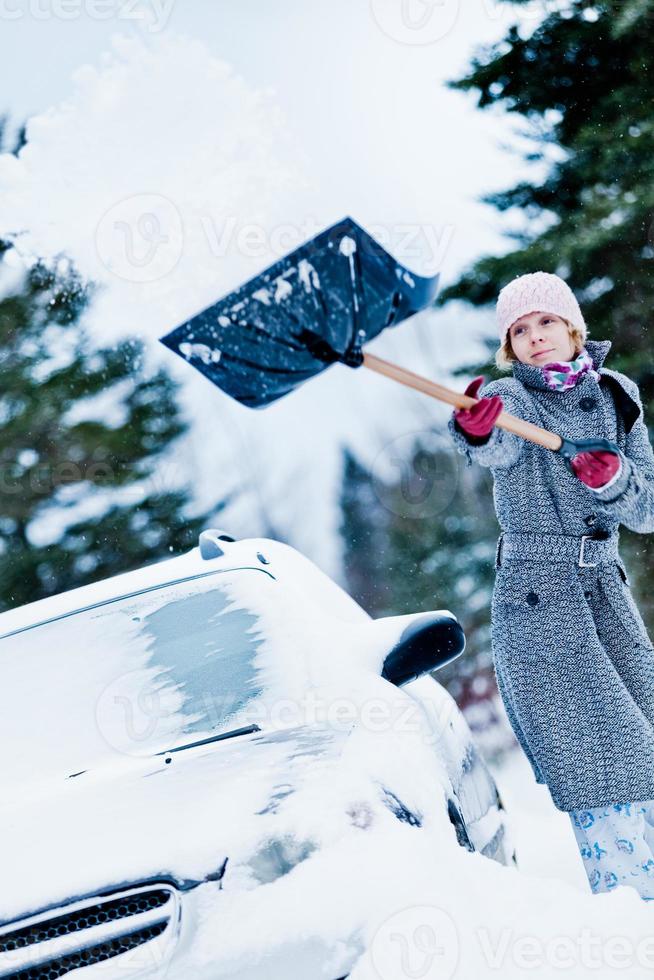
[(479, 420)]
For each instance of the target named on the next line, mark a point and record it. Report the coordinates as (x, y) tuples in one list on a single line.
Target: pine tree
[(364, 533), (84, 430)]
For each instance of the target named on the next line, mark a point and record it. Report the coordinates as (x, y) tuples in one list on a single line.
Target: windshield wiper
[(214, 738)]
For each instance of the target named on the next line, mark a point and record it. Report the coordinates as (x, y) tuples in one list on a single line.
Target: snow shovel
[(316, 306)]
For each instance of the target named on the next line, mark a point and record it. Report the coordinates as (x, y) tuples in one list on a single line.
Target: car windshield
[(134, 676)]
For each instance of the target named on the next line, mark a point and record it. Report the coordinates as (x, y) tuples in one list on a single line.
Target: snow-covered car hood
[(174, 817)]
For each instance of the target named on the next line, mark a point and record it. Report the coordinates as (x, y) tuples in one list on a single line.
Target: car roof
[(280, 560)]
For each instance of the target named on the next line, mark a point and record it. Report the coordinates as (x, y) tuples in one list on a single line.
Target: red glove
[(595, 468), (480, 419)]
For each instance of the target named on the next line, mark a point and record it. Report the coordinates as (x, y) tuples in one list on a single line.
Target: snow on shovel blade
[(315, 306)]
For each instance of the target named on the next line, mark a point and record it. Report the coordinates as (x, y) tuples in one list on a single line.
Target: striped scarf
[(562, 375)]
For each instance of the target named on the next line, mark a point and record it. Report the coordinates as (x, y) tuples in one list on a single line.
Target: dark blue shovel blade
[(317, 305)]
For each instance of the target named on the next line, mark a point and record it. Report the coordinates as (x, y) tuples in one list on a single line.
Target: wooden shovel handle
[(534, 433)]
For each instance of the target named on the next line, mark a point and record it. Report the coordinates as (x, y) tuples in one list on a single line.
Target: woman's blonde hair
[(505, 358)]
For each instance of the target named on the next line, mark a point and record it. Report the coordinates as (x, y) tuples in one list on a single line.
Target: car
[(201, 758)]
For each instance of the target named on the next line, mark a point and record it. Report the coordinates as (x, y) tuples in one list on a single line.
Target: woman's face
[(539, 338)]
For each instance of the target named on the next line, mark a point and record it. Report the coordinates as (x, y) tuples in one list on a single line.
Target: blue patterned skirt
[(615, 843)]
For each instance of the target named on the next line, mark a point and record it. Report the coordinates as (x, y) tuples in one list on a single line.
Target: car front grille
[(142, 922)]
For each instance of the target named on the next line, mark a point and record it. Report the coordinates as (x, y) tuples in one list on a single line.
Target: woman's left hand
[(595, 468)]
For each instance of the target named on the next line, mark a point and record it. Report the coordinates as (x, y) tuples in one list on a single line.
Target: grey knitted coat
[(573, 660)]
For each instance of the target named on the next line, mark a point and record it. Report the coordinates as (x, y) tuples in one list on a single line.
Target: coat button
[(532, 598), (588, 594), (587, 404), (590, 520)]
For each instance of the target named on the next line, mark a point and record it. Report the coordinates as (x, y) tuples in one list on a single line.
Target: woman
[(573, 660)]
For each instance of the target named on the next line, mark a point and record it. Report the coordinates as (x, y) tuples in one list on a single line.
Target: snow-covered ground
[(540, 920), (543, 837)]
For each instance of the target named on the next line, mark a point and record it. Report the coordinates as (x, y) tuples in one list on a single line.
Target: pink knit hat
[(534, 293)]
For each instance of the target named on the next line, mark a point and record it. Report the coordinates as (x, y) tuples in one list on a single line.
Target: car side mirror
[(430, 641)]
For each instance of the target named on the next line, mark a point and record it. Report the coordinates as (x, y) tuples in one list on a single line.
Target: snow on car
[(204, 756)]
